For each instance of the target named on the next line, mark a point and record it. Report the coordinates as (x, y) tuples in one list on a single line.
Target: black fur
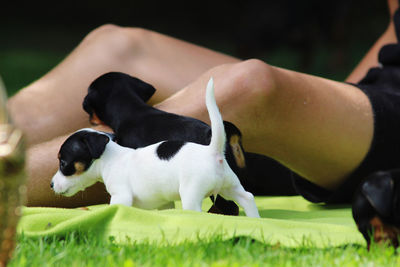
[(378, 197), (119, 101), (166, 150), (96, 144), (82, 147), (378, 189)]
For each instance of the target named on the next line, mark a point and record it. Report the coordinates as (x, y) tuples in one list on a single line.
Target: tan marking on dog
[(234, 142), (384, 233), (94, 119), (79, 167)]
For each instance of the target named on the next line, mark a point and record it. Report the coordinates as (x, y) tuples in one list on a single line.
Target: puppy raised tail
[(218, 137)]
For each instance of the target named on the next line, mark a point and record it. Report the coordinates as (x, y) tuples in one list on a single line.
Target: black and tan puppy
[(376, 207), (119, 101)]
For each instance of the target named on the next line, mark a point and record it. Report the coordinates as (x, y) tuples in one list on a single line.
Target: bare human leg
[(319, 128), (51, 106)]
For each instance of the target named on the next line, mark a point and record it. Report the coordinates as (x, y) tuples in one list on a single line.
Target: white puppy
[(154, 176)]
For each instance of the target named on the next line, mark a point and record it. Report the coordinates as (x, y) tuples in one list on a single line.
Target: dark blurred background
[(325, 38)]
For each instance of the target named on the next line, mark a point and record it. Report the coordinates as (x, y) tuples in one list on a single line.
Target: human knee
[(116, 40), (252, 77)]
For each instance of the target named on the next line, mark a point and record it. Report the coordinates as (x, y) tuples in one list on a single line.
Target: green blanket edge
[(287, 221)]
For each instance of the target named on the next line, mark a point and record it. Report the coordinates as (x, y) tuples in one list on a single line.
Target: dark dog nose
[(51, 184)]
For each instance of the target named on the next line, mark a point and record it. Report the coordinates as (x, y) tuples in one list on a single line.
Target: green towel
[(288, 221)]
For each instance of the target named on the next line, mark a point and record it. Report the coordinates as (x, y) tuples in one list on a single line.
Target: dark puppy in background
[(119, 101), (376, 207)]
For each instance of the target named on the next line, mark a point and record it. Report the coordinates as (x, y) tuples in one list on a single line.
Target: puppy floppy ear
[(378, 189), (96, 144), (144, 90)]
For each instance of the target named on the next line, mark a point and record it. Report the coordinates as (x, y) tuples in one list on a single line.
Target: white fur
[(140, 178)]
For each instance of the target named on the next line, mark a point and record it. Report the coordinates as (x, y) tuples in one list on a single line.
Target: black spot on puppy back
[(166, 150)]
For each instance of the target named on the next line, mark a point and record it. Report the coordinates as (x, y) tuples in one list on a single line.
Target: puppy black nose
[(51, 184)]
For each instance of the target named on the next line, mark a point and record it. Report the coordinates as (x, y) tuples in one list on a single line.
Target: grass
[(85, 250)]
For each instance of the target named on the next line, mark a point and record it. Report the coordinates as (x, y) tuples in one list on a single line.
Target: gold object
[(12, 179)]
